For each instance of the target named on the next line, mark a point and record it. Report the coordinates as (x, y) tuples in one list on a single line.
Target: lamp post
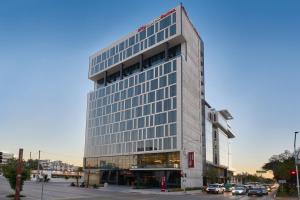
[(296, 155)]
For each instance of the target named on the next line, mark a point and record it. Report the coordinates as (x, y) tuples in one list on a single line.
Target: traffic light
[(293, 172)]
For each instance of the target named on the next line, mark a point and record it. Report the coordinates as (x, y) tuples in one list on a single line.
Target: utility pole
[(30, 156), (19, 174), (296, 155), (38, 167)]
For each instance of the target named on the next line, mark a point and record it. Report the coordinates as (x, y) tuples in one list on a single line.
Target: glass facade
[(143, 39), (135, 114), (223, 149), (137, 161), (208, 137)]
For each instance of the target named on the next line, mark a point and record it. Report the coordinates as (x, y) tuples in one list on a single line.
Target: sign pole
[(18, 177), (296, 165)]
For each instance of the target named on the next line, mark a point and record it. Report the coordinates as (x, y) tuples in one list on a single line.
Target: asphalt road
[(62, 191)]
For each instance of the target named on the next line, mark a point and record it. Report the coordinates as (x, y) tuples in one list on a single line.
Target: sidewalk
[(127, 189)]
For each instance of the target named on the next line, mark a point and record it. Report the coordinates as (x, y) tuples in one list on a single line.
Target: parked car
[(240, 190), (228, 187), (264, 190), (215, 188), (255, 191)]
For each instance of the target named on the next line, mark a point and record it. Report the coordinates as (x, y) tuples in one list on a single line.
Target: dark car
[(255, 191), (264, 190)]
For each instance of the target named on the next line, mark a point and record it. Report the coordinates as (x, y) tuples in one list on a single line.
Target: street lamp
[(296, 155)]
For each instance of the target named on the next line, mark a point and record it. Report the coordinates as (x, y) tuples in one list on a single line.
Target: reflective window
[(173, 90), (172, 129), (165, 22), (172, 116), (160, 36), (167, 104), (159, 106), (121, 46), (159, 94), (149, 145), (140, 146), (151, 40), (172, 78), (173, 30), (136, 48), (167, 68), (150, 30), (162, 81), (142, 35), (154, 84), (131, 40), (159, 131)]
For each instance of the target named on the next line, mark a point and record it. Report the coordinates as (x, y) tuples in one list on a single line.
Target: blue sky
[(252, 68)]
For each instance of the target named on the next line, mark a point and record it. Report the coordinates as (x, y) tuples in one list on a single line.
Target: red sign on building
[(191, 162), (163, 184)]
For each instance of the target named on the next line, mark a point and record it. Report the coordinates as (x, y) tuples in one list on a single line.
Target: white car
[(215, 188)]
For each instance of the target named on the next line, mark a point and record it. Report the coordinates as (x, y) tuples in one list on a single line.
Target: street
[(62, 191)]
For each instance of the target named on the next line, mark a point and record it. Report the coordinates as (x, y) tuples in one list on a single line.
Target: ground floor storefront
[(140, 170), (135, 178)]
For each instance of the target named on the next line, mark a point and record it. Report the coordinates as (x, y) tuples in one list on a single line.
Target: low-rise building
[(4, 157)]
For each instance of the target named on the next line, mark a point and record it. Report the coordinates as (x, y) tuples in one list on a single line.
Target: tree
[(212, 174), (32, 164), (79, 170), (281, 165), (10, 173)]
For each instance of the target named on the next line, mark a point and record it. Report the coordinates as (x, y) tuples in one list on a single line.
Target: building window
[(167, 104), (167, 143), (150, 74), (150, 30), (174, 18), (151, 40), (172, 116), (141, 122), (160, 131), (172, 78), (149, 145), (142, 35), (129, 51), (167, 68), (173, 30), (162, 81), (112, 51), (173, 90), (165, 22), (131, 41), (150, 132), (136, 48), (159, 107), (160, 118), (154, 84), (160, 36), (146, 109), (159, 94), (173, 129), (140, 146)]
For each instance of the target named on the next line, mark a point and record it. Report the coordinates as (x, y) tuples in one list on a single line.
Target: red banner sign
[(191, 160), (163, 184)]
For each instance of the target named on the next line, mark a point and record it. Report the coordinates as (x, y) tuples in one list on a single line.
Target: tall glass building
[(145, 112)]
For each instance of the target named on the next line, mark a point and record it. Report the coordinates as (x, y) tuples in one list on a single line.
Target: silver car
[(239, 190)]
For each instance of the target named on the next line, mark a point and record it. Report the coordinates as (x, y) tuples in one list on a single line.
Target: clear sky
[(252, 66)]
